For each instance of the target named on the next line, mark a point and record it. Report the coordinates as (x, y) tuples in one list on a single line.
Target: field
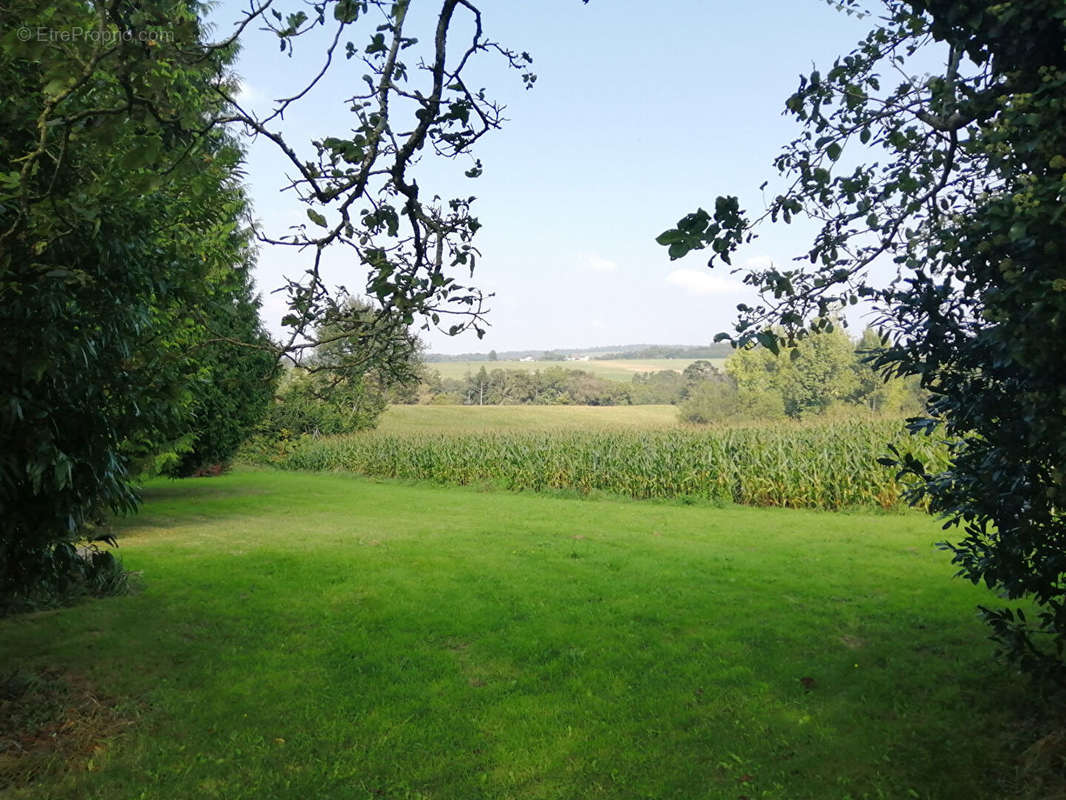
[(823, 465), (326, 636), (480, 419), (613, 369)]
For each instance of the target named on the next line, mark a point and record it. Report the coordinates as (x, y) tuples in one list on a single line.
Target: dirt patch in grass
[(52, 721)]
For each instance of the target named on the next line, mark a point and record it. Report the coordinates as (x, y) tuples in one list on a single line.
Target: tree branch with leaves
[(938, 204)]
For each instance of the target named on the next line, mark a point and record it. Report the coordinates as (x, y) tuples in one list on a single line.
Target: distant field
[(474, 419), (616, 370)]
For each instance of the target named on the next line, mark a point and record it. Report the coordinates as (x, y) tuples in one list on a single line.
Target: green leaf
[(769, 340), (671, 236), (346, 11), (55, 87), (317, 218)]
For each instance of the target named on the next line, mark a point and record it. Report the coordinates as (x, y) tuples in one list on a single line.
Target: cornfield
[(825, 466)]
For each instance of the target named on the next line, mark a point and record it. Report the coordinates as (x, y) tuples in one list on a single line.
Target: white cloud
[(598, 263), (759, 262), (696, 281), (249, 97)]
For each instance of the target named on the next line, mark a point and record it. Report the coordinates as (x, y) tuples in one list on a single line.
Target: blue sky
[(642, 111)]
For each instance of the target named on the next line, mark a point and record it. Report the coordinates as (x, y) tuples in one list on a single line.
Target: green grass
[(474, 419), (325, 636), (622, 369)]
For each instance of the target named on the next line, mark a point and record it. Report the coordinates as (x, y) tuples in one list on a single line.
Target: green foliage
[(827, 466), (64, 574), (120, 213), (818, 373), (231, 371), (232, 392), (893, 396), (301, 408), (550, 386), (655, 388), (709, 395), (356, 364), (712, 401), (700, 370), (823, 374), (107, 271), (956, 179)]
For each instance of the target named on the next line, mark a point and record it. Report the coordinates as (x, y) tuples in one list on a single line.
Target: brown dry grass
[(52, 721)]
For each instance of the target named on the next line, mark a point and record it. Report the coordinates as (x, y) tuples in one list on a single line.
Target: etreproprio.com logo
[(94, 35)]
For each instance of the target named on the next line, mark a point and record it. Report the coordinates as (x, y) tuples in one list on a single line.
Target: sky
[(641, 112)]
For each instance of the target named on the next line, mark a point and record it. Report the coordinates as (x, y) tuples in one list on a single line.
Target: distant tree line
[(720, 350), (827, 374), (638, 351), (548, 386)]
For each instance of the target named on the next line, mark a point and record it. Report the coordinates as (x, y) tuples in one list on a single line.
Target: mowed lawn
[(326, 636), (479, 419), (618, 369)]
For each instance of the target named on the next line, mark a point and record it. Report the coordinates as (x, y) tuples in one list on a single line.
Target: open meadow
[(621, 369), (327, 636)]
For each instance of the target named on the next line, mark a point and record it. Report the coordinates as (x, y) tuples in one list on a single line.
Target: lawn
[(476, 419), (620, 369), (327, 636)]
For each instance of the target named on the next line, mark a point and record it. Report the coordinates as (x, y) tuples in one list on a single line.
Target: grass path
[(325, 636)]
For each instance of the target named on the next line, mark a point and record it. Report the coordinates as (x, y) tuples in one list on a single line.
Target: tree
[(360, 356), (954, 181), (476, 387), (894, 396), (697, 372), (663, 386), (104, 272), (117, 209), (820, 375), (715, 399), (234, 379), (816, 375)]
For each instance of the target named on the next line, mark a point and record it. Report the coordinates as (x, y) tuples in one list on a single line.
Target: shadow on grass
[(197, 488)]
